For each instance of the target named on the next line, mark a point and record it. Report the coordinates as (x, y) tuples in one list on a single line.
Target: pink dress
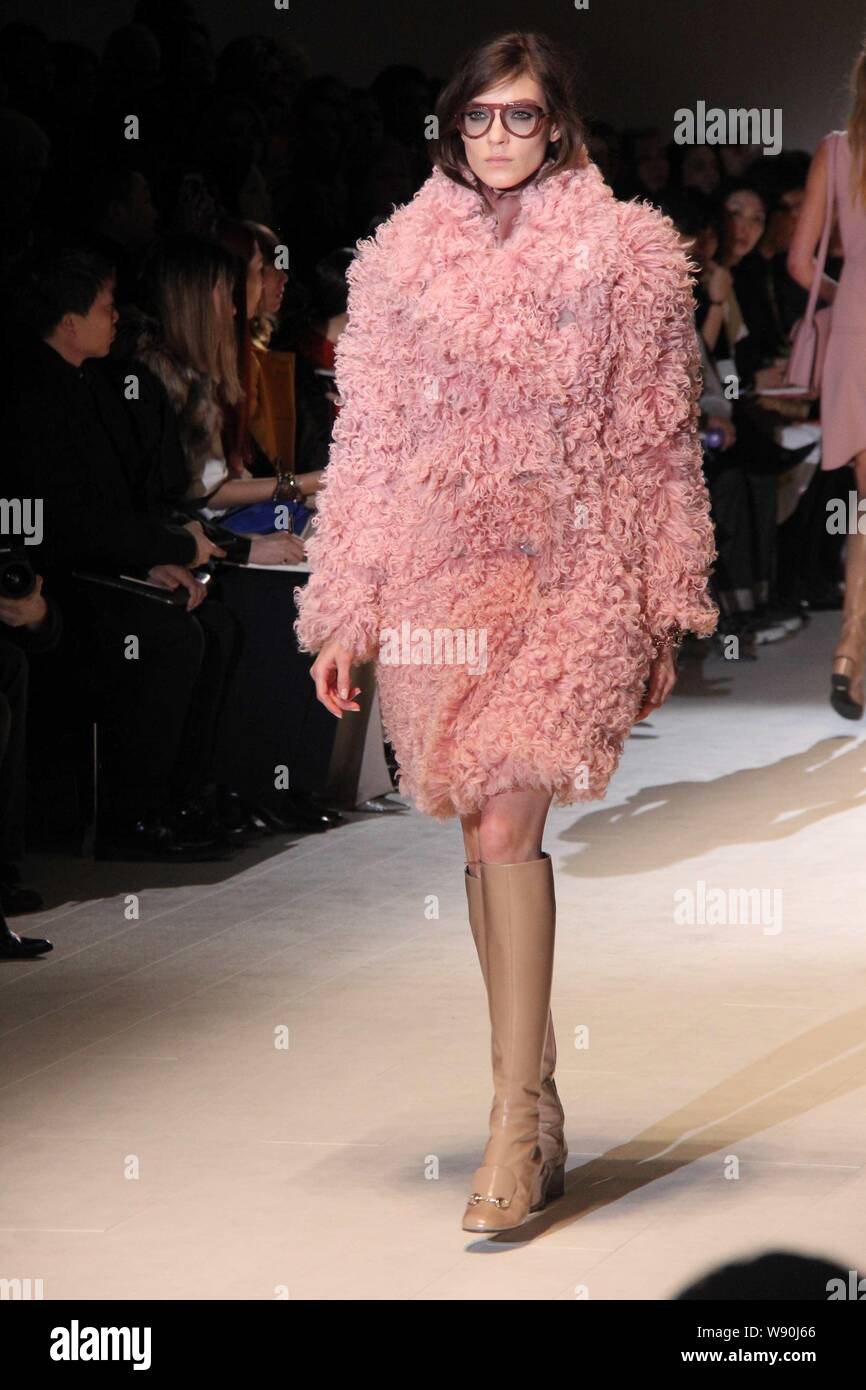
[(514, 503), (843, 387)]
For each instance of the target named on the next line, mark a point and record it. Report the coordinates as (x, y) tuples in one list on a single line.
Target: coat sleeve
[(654, 413), (349, 531)]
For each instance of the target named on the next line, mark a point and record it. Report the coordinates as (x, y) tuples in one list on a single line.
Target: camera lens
[(17, 579)]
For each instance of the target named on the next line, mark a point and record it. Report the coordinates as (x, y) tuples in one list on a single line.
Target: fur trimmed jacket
[(526, 409)]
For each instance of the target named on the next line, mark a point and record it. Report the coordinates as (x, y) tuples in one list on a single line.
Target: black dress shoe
[(236, 817), (13, 947), (15, 899), (297, 815), (152, 839), (333, 813), (196, 821)]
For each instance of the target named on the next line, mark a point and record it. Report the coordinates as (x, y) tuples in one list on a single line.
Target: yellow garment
[(272, 404)]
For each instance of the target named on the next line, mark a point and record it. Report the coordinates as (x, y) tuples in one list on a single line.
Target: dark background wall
[(638, 59)]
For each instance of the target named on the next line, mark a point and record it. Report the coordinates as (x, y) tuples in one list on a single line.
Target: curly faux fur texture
[(516, 451)]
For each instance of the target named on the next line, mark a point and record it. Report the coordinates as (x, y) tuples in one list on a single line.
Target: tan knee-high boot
[(520, 926), (847, 679), (551, 1116)]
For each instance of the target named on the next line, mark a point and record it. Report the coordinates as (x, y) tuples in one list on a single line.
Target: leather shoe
[(14, 947), (153, 839), (297, 815)]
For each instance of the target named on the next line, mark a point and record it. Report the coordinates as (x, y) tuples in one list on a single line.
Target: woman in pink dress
[(843, 384), (514, 524)]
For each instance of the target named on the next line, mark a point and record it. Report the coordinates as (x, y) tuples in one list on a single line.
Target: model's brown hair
[(489, 64)]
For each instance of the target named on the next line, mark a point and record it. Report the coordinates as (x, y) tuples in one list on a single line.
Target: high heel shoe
[(551, 1116), (846, 681), (519, 928)]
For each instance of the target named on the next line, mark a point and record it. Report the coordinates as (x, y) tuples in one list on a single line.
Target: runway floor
[(276, 1082)]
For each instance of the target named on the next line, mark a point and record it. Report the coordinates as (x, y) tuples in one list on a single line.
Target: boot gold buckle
[(477, 1197)]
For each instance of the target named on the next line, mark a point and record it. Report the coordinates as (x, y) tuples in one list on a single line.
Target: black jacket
[(108, 468)]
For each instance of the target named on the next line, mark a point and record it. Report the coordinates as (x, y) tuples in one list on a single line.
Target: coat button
[(527, 547)]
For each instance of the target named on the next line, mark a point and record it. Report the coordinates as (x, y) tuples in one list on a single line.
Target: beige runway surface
[(275, 1083)]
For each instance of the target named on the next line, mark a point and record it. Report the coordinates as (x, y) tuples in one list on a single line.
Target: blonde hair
[(184, 274)]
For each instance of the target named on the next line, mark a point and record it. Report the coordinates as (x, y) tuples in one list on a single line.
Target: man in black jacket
[(93, 444)]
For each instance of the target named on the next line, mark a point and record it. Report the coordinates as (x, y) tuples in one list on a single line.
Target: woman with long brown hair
[(191, 344), (514, 523), (843, 383)]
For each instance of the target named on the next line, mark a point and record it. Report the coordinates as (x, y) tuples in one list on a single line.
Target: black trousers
[(743, 507), (272, 718), (155, 676), (13, 714)]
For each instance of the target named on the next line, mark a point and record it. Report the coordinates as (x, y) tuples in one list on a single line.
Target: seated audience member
[(273, 421), (104, 461), (315, 339), (30, 623), (745, 488), (726, 486), (190, 345)]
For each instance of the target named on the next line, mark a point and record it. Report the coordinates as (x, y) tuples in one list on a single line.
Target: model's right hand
[(331, 672)]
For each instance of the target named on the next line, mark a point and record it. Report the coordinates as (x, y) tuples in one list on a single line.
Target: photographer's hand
[(30, 612)]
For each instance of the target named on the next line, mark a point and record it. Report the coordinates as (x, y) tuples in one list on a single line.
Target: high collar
[(504, 203)]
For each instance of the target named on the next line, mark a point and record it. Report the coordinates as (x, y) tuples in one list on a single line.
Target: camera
[(17, 576)]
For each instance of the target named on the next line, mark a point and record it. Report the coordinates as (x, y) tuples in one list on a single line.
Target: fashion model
[(515, 469), (840, 159)]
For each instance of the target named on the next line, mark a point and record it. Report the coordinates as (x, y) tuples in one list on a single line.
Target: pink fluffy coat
[(516, 453)]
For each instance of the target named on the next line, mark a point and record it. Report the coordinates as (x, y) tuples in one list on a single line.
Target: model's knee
[(504, 840)]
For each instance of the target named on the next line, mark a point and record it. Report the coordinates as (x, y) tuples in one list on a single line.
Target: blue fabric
[(261, 518)]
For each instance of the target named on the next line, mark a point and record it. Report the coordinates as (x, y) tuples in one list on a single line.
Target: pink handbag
[(811, 333)]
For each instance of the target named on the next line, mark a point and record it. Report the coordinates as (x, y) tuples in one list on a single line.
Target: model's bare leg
[(471, 843), (850, 653), (512, 826)]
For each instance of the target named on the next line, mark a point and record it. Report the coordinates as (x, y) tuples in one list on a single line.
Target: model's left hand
[(662, 679)]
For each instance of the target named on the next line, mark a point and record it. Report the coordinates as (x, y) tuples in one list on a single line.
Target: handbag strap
[(825, 233)]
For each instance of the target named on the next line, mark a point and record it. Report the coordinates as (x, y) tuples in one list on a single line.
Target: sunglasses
[(521, 118)]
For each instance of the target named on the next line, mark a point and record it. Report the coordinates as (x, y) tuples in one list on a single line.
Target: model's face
[(502, 159), (91, 334), (744, 223)]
